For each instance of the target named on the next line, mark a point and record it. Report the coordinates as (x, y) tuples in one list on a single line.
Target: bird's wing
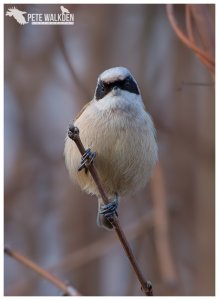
[(82, 110)]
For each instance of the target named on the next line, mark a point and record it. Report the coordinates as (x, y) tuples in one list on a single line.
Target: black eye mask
[(128, 84)]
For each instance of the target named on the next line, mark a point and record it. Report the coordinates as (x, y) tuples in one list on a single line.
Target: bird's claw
[(109, 210), (73, 132), (87, 159)]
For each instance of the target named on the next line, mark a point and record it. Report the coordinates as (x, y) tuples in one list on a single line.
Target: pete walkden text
[(50, 17)]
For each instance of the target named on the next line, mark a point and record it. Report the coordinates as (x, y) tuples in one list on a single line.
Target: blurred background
[(50, 74)]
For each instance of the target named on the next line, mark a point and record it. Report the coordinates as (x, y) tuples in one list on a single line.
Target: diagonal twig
[(208, 60), (146, 286), (67, 289)]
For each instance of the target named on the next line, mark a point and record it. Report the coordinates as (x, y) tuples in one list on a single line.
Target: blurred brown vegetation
[(50, 73)]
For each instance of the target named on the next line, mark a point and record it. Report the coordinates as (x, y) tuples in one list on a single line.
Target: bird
[(64, 10), (17, 14), (120, 138)]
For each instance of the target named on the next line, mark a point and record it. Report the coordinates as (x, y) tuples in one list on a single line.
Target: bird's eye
[(127, 83), (130, 86), (102, 90)]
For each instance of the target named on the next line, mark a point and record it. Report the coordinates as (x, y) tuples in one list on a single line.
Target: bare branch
[(203, 55), (204, 26), (94, 250), (67, 289), (146, 286)]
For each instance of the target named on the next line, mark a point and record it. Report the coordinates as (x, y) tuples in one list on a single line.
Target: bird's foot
[(109, 210), (106, 213), (87, 159), (73, 132)]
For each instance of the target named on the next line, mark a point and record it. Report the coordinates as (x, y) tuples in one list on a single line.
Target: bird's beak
[(116, 91)]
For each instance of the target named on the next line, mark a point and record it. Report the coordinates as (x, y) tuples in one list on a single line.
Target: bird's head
[(115, 82)]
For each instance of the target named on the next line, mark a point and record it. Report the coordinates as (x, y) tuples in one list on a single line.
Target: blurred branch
[(67, 290), (199, 13), (94, 250), (189, 23), (166, 264), (146, 286), (82, 88), (204, 27)]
